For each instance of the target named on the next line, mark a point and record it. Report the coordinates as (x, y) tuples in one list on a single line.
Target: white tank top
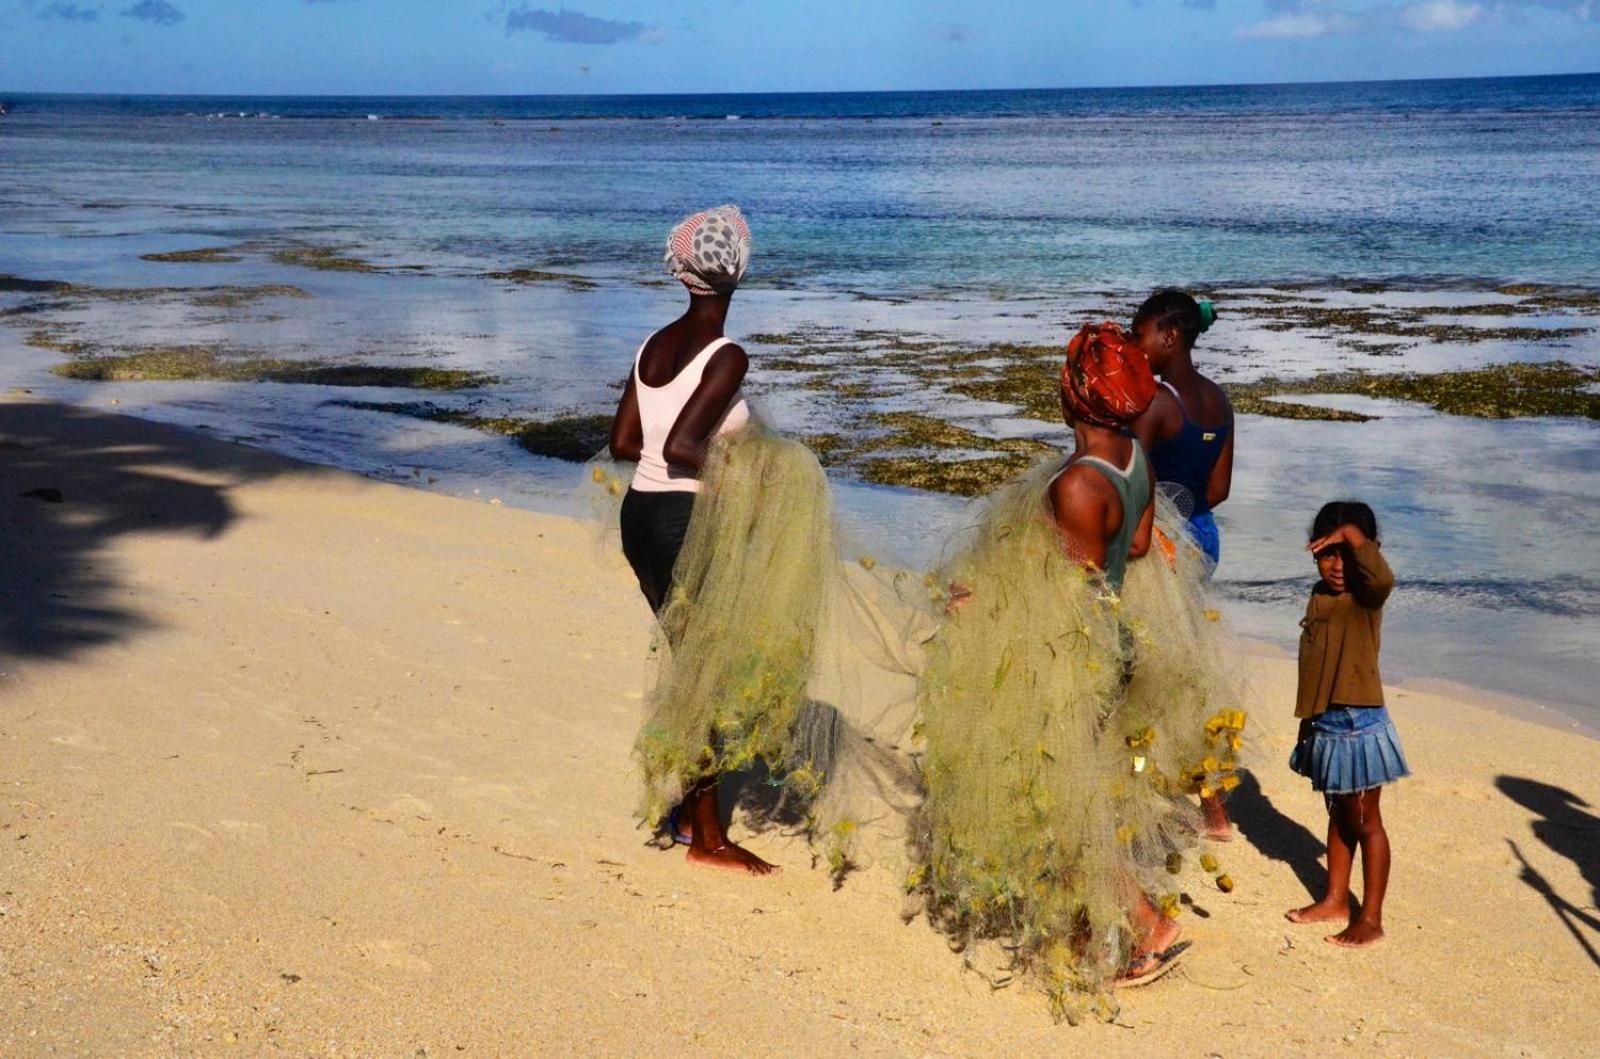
[(659, 407)]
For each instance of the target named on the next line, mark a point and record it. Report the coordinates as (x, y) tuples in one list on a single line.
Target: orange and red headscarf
[(1106, 380)]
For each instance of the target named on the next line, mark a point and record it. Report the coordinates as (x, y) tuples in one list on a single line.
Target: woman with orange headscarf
[(1033, 831)]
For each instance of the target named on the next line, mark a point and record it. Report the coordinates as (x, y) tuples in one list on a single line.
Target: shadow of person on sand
[(1565, 829), (1277, 836), (73, 481)]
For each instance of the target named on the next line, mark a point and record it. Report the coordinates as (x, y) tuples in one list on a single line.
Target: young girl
[(1347, 745)]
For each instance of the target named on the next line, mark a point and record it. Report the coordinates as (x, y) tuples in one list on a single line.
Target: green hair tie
[(1208, 315)]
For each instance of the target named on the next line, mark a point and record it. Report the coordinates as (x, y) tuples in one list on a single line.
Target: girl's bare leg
[(1367, 824), (1335, 903), (708, 842)]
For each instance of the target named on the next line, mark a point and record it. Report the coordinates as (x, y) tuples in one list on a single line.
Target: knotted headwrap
[(709, 251), (1106, 379)]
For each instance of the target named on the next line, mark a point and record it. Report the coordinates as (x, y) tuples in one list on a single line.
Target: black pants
[(653, 528)]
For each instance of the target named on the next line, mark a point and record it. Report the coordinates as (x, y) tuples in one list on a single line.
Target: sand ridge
[(296, 762)]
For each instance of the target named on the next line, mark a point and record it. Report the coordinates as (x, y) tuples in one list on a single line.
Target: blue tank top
[(1187, 458)]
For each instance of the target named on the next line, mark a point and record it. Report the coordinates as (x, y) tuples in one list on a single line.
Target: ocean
[(1375, 227)]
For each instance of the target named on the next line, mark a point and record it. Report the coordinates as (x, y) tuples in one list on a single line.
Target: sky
[(439, 47)]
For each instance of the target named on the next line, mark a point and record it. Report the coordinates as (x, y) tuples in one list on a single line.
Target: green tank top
[(1132, 484)]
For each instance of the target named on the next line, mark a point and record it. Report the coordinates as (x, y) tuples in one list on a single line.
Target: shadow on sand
[(1565, 828), (1277, 836), (73, 481)]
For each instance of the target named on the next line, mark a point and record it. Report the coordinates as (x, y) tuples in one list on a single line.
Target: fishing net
[(778, 656), (1020, 829), (1181, 718), (1064, 727)]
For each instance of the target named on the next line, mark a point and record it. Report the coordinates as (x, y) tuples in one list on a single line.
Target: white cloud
[(1293, 27), (1441, 16)]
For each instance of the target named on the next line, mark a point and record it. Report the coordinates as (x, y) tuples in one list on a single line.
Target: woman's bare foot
[(1161, 938), (1218, 827), (732, 858), (1357, 935), (1321, 912)]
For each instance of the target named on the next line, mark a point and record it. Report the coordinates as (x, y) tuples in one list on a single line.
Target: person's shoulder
[(1162, 418), (1079, 482), (1218, 394), (730, 358)]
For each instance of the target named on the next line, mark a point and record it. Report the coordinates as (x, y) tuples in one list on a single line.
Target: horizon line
[(793, 92)]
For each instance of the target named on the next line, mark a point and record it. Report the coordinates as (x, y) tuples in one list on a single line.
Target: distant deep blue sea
[(1035, 190), (955, 219)]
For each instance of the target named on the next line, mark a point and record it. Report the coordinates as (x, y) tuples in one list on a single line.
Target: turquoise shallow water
[(967, 217)]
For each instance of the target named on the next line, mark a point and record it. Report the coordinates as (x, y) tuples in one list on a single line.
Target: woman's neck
[(1179, 369), (1104, 442), (709, 310)]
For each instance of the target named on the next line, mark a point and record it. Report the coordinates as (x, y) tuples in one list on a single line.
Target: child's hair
[(1336, 513), (1173, 308)]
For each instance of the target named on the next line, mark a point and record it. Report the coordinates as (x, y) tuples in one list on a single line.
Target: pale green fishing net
[(740, 622), (777, 651), (1052, 788), (1020, 824), (1183, 715), (1051, 792)]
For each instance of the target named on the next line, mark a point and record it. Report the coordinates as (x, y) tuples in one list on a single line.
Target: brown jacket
[(1340, 636)]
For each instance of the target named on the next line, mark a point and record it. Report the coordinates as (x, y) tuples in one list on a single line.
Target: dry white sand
[(292, 761)]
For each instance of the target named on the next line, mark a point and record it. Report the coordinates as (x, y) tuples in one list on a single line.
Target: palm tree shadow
[(1277, 836), (72, 482), (1565, 828)]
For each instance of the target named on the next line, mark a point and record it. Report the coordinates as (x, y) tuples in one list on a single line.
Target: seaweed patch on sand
[(528, 276), (317, 256), (321, 258), (1498, 391), (575, 438), (229, 296), (1430, 323), (10, 284), (208, 255), (208, 363)]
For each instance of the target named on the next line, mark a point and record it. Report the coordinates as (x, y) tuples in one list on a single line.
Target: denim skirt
[(1350, 749)]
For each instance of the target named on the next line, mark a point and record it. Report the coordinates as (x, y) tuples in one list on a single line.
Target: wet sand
[(300, 762)]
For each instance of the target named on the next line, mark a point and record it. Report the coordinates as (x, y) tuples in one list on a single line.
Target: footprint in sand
[(192, 837), (410, 805), (387, 952), (79, 740), (240, 827)]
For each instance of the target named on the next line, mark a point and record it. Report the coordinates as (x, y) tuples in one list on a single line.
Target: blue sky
[(603, 46)]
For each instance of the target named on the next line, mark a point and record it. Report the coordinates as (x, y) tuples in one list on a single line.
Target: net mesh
[(1052, 714), (740, 624), (1181, 714)]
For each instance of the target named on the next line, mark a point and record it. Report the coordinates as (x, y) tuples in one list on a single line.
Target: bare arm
[(627, 432), (1220, 484), (1140, 545), (1158, 422), (691, 434), (1370, 578), (1079, 501)]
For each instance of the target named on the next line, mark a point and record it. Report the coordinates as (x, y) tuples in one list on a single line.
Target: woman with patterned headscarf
[(683, 392)]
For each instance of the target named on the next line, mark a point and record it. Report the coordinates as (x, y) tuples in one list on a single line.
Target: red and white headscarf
[(1106, 379), (709, 251)]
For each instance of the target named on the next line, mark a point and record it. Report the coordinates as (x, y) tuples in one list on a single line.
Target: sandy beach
[(295, 762)]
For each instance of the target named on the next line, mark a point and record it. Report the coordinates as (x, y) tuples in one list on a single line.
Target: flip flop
[(1165, 961), (678, 837)]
